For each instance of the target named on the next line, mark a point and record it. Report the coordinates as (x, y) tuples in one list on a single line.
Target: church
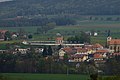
[(113, 44)]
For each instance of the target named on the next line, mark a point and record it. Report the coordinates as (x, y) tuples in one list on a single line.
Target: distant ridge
[(28, 7), (34, 9)]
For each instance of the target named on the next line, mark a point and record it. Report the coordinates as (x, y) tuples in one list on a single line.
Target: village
[(59, 39), (58, 56), (68, 51)]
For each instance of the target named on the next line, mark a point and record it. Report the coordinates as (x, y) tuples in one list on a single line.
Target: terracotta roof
[(82, 50), (78, 55), (70, 50), (102, 51), (97, 45), (114, 41), (89, 47), (98, 56), (59, 38)]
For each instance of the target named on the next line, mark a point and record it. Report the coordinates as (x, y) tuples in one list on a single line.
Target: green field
[(98, 23), (70, 30), (113, 28), (15, 29), (26, 76)]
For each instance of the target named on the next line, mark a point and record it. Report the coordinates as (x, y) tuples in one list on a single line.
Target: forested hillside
[(62, 12)]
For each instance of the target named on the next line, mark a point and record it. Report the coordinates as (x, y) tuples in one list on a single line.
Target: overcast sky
[(4, 0)]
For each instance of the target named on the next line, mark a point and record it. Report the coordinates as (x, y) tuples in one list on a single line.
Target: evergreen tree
[(30, 36), (45, 52), (82, 38), (7, 36), (109, 33), (50, 51)]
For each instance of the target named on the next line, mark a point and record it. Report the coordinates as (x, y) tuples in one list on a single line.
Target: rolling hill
[(38, 10)]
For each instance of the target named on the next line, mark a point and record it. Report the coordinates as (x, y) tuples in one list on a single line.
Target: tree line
[(104, 18), (82, 38), (36, 22)]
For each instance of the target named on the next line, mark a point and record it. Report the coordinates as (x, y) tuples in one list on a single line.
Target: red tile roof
[(82, 50), (102, 51), (59, 38), (78, 55), (70, 50), (97, 56), (114, 41), (97, 46)]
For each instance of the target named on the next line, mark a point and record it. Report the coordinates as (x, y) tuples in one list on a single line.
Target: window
[(118, 49), (110, 47), (115, 48)]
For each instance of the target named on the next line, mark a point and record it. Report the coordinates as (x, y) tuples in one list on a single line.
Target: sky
[(4, 0)]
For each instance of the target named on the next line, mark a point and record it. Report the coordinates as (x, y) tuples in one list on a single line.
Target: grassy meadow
[(32, 76), (27, 76)]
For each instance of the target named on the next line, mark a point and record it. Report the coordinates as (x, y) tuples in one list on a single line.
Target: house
[(66, 51), (78, 58), (92, 33), (93, 47), (97, 46), (61, 54), (38, 50), (70, 50), (14, 36), (25, 42), (81, 54), (59, 40), (102, 51), (98, 58), (101, 55), (113, 44), (95, 34), (3, 34), (82, 51), (21, 50)]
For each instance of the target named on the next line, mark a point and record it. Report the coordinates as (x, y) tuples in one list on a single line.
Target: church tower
[(108, 40), (59, 39)]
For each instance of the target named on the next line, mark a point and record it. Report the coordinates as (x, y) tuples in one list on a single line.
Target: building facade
[(113, 44)]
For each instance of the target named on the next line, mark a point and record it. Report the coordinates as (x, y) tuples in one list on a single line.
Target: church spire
[(108, 33)]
